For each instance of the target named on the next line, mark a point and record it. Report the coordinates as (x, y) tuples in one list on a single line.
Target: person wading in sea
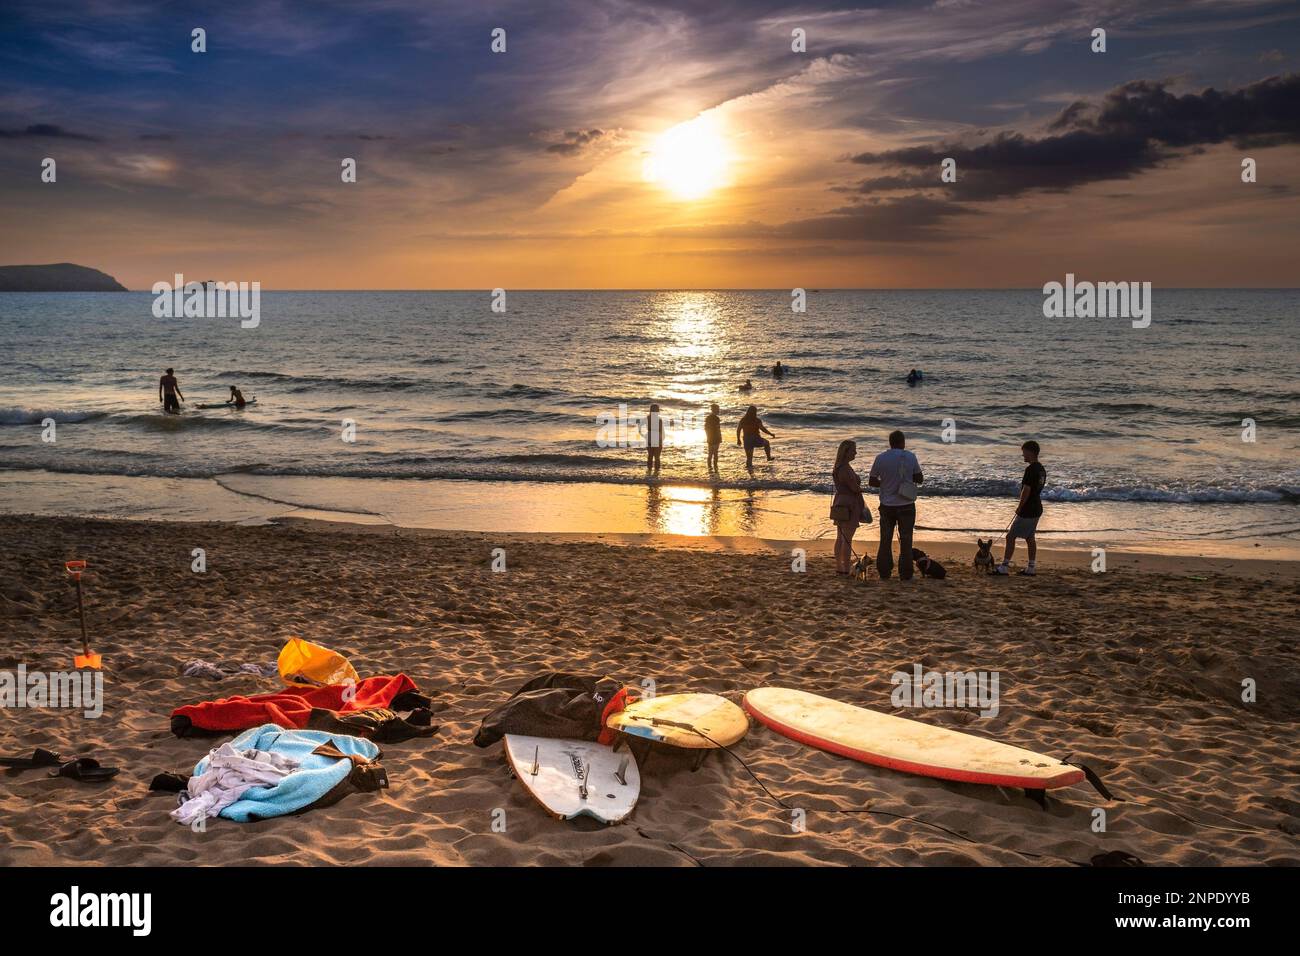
[(753, 428), (169, 392)]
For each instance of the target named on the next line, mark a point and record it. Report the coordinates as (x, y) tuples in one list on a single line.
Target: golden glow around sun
[(691, 159)]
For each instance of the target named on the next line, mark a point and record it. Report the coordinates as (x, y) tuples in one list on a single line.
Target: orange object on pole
[(87, 658)]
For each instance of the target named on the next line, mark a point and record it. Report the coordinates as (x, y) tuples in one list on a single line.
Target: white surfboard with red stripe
[(901, 744)]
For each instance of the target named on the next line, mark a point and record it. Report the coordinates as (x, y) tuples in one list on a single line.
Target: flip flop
[(85, 769), (39, 758)]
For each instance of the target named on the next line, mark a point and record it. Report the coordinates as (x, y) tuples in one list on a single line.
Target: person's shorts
[(754, 441), (171, 404), (1023, 527)]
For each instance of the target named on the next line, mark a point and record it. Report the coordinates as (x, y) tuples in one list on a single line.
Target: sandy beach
[(1138, 672)]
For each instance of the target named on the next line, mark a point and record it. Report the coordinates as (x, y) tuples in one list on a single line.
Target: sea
[(435, 409)]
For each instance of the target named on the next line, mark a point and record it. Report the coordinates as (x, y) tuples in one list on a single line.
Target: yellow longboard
[(674, 719)]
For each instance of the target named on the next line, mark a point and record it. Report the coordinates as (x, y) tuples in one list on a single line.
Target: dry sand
[(1137, 671)]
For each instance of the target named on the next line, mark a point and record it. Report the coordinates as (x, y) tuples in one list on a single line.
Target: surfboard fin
[(621, 773), (1091, 776)]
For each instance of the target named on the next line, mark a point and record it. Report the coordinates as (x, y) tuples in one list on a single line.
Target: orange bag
[(304, 664)]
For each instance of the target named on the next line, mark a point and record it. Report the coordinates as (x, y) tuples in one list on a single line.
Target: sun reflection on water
[(692, 327)]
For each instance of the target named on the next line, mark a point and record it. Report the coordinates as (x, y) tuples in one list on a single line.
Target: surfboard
[(251, 401), (669, 720), (574, 778), (902, 744)]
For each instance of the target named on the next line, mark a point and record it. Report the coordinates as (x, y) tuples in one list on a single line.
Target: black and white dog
[(930, 568), (984, 557)]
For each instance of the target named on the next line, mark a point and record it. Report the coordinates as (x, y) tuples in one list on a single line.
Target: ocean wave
[(517, 391), (573, 461), (196, 421), (853, 420), (243, 373), (1190, 496), (800, 371), (504, 414), (298, 384), (17, 415), (578, 469)]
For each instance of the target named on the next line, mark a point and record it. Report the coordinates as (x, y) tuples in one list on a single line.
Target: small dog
[(930, 568), (861, 567), (984, 557)]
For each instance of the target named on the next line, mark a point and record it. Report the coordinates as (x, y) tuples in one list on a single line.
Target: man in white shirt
[(894, 472)]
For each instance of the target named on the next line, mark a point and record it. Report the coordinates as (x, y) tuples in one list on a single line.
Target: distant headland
[(57, 277)]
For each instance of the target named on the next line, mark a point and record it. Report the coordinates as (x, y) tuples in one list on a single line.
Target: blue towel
[(316, 775)]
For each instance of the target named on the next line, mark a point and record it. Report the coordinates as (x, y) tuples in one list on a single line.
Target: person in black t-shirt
[(1028, 511)]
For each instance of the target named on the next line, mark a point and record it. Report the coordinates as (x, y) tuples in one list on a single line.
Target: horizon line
[(784, 289)]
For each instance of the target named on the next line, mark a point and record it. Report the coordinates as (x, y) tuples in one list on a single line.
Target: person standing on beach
[(753, 428), (896, 473), (713, 435), (168, 392), (1028, 511), (654, 440), (848, 507)]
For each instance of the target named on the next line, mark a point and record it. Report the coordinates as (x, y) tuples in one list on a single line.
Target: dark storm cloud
[(1136, 127), (903, 219), (45, 131), (575, 141)]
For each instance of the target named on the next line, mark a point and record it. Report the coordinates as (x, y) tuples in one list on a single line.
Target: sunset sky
[(563, 162)]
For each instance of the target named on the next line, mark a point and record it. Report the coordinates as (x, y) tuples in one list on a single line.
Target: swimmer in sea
[(747, 387), (752, 429), (169, 393)]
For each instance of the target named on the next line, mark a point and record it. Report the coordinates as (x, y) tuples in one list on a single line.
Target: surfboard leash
[(1100, 787), (887, 813), (1089, 774)]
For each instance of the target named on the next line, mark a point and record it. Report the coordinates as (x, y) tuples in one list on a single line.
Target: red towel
[(292, 706)]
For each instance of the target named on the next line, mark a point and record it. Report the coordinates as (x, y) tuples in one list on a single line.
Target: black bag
[(552, 705), (930, 568)]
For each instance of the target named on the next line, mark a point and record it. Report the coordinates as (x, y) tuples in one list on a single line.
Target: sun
[(690, 160)]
